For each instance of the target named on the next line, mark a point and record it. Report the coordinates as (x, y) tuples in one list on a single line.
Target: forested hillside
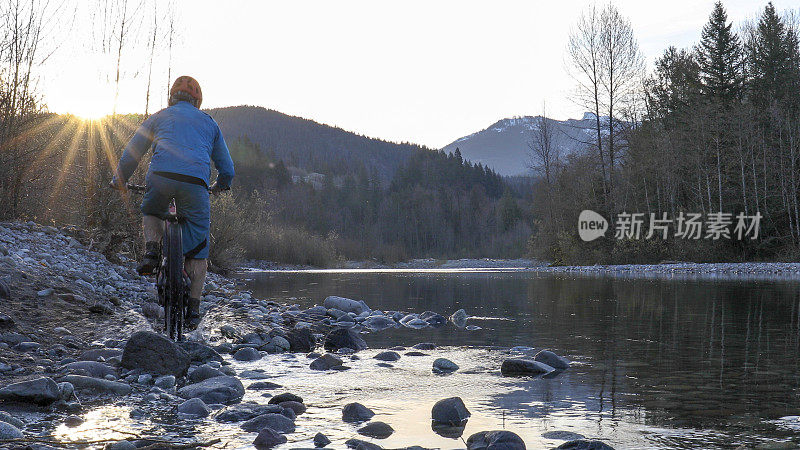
[(716, 129), (312, 146)]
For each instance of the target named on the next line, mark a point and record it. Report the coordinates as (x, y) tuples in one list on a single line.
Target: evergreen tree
[(773, 60), (719, 55)]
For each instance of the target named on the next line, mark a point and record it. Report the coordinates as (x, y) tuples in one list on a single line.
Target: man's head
[(187, 89)]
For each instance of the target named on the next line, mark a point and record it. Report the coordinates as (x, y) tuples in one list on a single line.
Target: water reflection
[(717, 361)]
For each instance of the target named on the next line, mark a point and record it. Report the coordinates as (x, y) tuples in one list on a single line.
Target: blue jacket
[(185, 140)]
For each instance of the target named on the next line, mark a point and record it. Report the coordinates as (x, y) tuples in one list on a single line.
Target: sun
[(89, 112)]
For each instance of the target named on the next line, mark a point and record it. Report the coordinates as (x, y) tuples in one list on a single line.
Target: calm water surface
[(659, 363)]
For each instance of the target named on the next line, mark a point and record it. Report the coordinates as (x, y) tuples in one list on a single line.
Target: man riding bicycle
[(185, 140)]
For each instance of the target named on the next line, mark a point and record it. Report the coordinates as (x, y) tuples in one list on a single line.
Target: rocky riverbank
[(79, 333)]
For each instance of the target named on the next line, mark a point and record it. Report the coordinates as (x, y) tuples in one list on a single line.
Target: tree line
[(713, 128)]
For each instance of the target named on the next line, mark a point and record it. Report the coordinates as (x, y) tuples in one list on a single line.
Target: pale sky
[(426, 71)]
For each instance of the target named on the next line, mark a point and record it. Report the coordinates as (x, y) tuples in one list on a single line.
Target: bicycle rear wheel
[(174, 284)]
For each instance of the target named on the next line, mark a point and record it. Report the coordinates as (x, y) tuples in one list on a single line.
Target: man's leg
[(153, 229), (196, 269)]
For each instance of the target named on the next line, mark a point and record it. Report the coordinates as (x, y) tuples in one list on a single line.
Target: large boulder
[(98, 385), (154, 353), (499, 440), (344, 338), (346, 304), (450, 411), (41, 391), (356, 412), (277, 422), (512, 367), (225, 390), (301, 340), (552, 360)]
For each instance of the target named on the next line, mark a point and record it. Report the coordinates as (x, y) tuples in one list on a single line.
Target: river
[(656, 363)]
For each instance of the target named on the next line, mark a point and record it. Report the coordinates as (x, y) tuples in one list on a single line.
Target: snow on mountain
[(503, 146)]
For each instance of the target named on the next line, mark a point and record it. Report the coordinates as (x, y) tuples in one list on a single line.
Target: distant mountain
[(504, 145), (312, 146)]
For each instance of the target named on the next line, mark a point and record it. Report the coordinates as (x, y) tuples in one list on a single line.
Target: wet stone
[(356, 412), (268, 438), (387, 356), (377, 430), (500, 439), (285, 397)]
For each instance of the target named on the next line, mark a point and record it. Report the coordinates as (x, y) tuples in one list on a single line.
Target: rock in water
[(424, 346), (194, 407), (387, 356), (444, 365), (41, 391), (562, 435), (358, 444), (346, 304), (583, 444), (153, 352), (344, 338), (320, 440), (285, 397), (523, 367), (500, 439), (277, 422), (263, 385), (268, 438), (247, 354), (225, 390), (552, 360), (378, 323), (459, 318), (435, 320), (301, 340), (326, 362), (73, 421), (356, 412), (246, 411), (8, 431), (377, 430), (297, 407), (450, 411)]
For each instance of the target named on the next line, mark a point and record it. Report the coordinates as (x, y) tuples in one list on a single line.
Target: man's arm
[(222, 161), (136, 148)]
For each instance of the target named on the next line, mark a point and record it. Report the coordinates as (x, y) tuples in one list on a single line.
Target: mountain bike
[(172, 280)]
